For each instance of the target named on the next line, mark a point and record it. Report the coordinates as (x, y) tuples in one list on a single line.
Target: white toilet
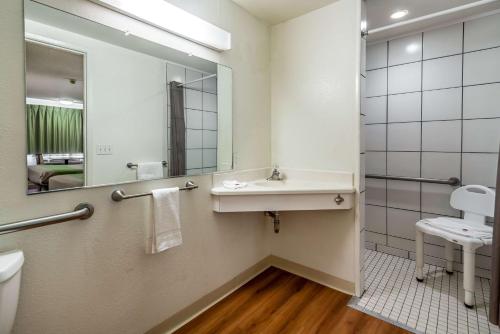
[(10, 281)]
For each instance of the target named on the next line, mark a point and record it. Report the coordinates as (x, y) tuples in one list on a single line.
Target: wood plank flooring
[(279, 302)]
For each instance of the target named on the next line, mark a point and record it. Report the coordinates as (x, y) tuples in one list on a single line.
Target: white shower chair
[(477, 203)]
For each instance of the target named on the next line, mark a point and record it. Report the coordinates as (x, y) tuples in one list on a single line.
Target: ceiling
[(49, 71), (277, 11), (379, 11)]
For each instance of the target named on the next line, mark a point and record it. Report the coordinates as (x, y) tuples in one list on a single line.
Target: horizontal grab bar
[(81, 211), (132, 165), (452, 181), (119, 195)]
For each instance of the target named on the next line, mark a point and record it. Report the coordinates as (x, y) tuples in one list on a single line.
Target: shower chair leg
[(419, 255), (448, 251)]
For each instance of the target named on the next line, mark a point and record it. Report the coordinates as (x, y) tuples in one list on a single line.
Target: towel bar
[(81, 211), (132, 165), (119, 195)]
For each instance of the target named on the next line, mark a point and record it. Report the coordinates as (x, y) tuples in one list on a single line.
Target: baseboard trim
[(314, 275), (190, 312)]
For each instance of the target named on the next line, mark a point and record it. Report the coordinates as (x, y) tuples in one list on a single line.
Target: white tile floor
[(434, 306)]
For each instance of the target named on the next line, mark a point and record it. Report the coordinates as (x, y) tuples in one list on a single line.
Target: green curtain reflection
[(54, 129)]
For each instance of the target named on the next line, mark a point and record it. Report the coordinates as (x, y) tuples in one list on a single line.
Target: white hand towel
[(164, 231), (233, 184), (149, 170)]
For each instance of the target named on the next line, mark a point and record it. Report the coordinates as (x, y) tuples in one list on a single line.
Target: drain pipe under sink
[(275, 215)]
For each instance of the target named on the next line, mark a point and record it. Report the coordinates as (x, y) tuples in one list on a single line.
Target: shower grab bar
[(118, 195), (132, 165), (82, 211), (452, 181)]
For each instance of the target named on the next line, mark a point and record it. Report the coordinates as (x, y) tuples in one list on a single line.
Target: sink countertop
[(264, 187)]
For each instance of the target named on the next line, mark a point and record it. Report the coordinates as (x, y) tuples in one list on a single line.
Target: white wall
[(92, 276), (315, 125)]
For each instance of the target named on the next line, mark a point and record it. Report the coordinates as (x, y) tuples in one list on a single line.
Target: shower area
[(431, 122)]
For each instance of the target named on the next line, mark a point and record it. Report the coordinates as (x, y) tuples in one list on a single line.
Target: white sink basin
[(286, 195)]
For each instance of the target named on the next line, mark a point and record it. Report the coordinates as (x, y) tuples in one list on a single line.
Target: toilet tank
[(10, 281)]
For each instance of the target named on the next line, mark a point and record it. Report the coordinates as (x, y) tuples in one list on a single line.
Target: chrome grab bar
[(452, 181), (81, 211), (132, 165), (118, 195)]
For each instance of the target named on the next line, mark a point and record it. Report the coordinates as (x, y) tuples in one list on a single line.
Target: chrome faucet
[(276, 175)]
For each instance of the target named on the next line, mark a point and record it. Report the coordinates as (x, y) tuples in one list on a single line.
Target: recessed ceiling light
[(399, 14)]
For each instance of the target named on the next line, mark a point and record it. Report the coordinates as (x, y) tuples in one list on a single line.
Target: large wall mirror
[(104, 106)]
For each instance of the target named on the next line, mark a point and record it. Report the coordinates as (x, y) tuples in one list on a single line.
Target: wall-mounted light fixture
[(167, 17)]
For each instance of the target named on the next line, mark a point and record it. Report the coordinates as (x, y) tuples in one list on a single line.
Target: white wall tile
[(370, 245), (403, 164), (405, 78), (176, 73), (404, 137), (403, 195), (209, 139), (405, 50), (401, 223), (210, 85), (193, 99), (193, 172), (209, 120), (209, 170), (404, 107), (376, 192), (479, 169), (192, 75), (194, 138), (376, 219), (482, 33), (376, 82), (376, 56), (375, 137), (193, 159), (481, 135), (443, 41), (362, 65), (482, 67), (392, 251), (209, 158), (375, 163), (193, 119), (442, 73), (376, 109), (209, 102), (436, 199), (377, 238), (442, 104), (362, 172), (441, 136), (362, 134), (437, 165), (482, 101)]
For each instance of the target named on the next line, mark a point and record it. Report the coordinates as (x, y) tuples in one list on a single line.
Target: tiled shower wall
[(200, 114), (433, 111)]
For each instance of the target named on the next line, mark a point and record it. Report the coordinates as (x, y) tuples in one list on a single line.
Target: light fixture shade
[(166, 16)]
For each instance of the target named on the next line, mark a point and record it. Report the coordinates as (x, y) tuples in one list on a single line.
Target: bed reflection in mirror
[(104, 106)]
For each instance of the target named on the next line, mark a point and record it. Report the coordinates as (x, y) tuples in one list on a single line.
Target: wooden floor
[(279, 302)]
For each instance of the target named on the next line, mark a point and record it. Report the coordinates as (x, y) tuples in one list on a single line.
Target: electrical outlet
[(104, 149)]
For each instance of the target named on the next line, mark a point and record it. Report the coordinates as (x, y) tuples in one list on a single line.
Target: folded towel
[(461, 227), (149, 170), (164, 231), (233, 184)]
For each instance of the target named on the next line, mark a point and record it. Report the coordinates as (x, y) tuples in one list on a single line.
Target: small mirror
[(104, 106)]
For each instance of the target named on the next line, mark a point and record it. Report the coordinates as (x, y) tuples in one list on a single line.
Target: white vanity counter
[(299, 190)]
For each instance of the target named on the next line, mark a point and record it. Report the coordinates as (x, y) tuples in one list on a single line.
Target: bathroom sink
[(269, 184), (308, 190)]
